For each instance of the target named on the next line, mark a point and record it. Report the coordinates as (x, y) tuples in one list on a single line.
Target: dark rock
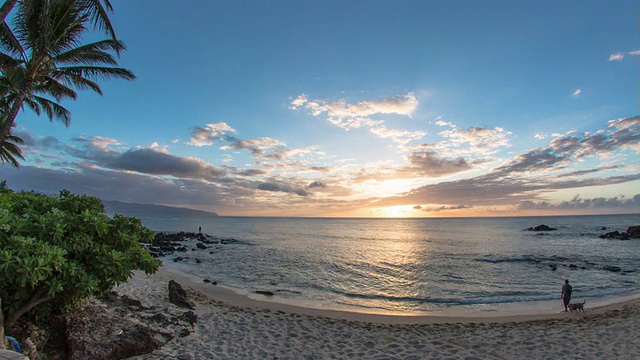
[(634, 231), (159, 319), (176, 259), (184, 332), (201, 246), (198, 261), (611, 268), (93, 333), (189, 316), (131, 302), (573, 266), (178, 296), (210, 252), (615, 235), (32, 338), (181, 249), (541, 227), (264, 292), (603, 228), (206, 281), (553, 267), (214, 283)]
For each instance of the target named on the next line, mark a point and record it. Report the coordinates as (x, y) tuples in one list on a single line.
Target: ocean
[(411, 265)]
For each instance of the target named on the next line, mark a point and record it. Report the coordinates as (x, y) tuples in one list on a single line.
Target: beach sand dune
[(235, 327)]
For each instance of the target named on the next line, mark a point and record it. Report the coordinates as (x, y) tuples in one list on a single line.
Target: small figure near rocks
[(178, 296), (199, 229), (541, 227)]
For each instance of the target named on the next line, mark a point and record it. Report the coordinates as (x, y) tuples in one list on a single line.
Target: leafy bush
[(58, 250)]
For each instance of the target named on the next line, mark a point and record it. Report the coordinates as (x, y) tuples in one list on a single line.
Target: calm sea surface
[(412, 265)]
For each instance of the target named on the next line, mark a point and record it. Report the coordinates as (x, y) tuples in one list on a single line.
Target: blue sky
[(357, 108)]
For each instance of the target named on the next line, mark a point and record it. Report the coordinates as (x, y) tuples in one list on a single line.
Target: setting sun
[(396, 211)]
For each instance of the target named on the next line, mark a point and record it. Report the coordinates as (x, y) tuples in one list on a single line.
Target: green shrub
[(58, 250)]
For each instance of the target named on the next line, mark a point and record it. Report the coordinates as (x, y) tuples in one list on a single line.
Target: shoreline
[(490, 313), (235, 326)]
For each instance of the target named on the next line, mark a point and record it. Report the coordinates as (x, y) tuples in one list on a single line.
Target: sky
[(357, 109)]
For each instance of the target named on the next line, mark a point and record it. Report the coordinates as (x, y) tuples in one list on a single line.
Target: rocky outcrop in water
[(634, 231), (615, 235), (541, 227)]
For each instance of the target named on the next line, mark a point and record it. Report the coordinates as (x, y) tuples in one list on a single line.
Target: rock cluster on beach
[(111, 327)]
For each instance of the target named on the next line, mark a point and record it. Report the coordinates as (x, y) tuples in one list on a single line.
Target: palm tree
[(41, 57), (96, 10)]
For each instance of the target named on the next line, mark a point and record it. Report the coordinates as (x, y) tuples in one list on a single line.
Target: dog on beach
[(576, 306)]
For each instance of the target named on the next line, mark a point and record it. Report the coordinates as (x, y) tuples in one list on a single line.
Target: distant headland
[(133, 209)]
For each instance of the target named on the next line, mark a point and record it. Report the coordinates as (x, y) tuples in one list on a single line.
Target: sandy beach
[(235, 326)]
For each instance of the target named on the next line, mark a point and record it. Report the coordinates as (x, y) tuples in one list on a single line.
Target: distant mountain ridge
[(113, 206)]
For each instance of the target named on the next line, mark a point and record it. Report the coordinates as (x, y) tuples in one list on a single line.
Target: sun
[(396, 211)]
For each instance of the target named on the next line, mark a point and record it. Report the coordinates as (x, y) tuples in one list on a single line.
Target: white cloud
[(577, 92), (211, 133), (100, 142), (540, 136), (254, 146), (399, 136), (634, 52), (353, 116), (358, 115), (481, 140), (299, 101), (445, 123), (616, 57)]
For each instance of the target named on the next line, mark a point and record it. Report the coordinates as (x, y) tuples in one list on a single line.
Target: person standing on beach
[(199, 229), (566, 294)]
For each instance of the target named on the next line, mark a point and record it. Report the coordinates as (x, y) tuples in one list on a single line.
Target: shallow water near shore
[(413, 265)]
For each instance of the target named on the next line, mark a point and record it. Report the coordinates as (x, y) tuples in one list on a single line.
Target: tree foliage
[(58, 250)]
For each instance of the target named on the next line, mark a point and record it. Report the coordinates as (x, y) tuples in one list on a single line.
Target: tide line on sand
[(232, 325)]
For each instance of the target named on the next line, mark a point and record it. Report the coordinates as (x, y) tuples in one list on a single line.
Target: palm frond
[(9, 150), (7, 62), (34, 106), (8, 41), (54, 110), (99, 72), (78, 81), (98, 15), (50, 85), (94, 53)]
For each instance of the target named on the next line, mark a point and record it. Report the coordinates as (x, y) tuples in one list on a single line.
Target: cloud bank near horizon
[(459, 169)]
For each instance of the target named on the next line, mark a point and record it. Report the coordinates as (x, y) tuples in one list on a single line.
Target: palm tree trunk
[(6, 8)]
